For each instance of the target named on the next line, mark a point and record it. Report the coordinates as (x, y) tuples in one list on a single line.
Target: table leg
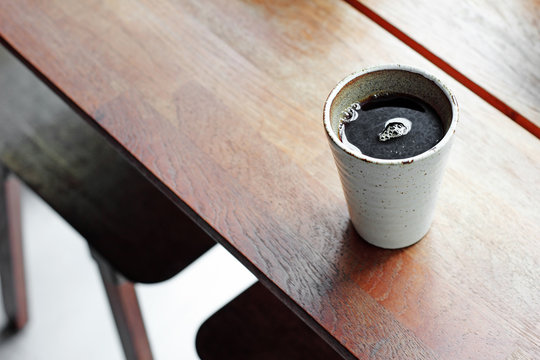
[(11, 252), (126, 311)]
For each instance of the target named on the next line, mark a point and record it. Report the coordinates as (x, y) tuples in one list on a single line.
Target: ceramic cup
[(391, 202)]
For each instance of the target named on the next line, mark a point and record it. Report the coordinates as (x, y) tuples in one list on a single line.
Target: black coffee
[(391, 126)]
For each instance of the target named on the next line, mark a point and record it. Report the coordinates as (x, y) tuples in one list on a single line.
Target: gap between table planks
[(491, 47)]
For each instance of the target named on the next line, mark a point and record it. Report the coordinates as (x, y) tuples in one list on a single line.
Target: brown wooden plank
[(221, 102), (75, 170), (489, 46)]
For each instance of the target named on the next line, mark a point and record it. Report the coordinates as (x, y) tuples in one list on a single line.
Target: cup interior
[(390, 79)]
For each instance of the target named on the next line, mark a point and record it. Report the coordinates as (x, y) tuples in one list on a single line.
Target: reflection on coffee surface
[(390, 126)]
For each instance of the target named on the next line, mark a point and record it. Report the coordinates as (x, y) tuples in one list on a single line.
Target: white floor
[(69, 313)]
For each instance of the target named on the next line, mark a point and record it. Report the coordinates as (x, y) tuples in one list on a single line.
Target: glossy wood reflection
[(220, 103)]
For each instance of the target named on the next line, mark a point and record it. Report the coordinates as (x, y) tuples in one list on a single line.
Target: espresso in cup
[(390, 126)]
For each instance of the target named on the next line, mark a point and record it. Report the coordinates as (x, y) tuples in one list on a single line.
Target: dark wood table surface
[(220, 105), (491, 46)]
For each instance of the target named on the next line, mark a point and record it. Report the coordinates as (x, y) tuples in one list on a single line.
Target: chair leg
[(11, 252), (126, 311)]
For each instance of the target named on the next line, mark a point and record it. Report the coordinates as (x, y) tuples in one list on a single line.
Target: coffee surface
[(412, 126)]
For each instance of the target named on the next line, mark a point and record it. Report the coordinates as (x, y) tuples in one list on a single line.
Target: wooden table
[(490, 46), (220, 104)]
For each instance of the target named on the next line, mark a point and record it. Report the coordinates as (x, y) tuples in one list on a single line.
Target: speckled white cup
[(391, 202)]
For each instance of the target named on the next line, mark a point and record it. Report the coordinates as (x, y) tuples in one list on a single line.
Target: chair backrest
[(79, 174)]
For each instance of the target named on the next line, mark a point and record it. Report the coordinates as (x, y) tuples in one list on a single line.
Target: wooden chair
[(257, 326), (135, 233)]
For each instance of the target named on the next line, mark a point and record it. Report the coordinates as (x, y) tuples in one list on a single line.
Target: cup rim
[(340, 85)]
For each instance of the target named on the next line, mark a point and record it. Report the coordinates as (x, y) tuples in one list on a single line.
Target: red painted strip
[(449, 69)]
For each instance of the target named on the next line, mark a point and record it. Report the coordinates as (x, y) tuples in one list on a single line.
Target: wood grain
[(73, 169), (489, 46), (220, 102)]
